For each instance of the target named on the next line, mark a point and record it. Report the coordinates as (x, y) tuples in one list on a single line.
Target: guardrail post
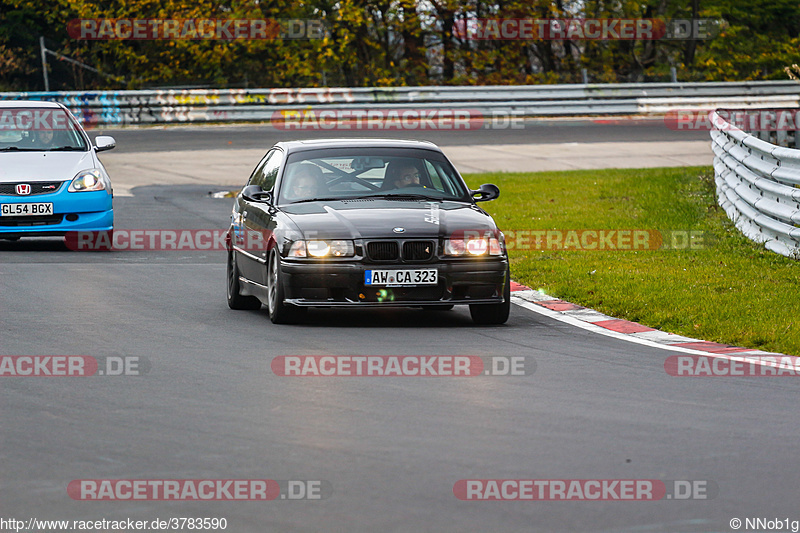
[(43, 51), (782, 138)]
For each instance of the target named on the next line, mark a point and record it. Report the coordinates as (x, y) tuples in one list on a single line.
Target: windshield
[(39, 129), (349, 173)]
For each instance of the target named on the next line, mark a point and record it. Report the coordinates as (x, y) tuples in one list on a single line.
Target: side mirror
[(104, 142), (488, 191), (254, 193)]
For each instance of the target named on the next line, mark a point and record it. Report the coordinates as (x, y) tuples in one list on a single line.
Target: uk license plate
[(22, 210), (380, 278)]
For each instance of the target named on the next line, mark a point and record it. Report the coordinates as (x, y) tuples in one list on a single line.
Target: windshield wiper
[(320, 199), (404, 196), (66, 149), (391, 196), (18, 149)]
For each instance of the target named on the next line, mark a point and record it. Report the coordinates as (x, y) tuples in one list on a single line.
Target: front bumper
[(72, 211), (342, 284)]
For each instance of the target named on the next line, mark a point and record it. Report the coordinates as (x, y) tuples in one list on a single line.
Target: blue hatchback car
[(51, 181)]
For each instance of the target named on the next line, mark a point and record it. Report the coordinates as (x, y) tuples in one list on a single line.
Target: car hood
[(370, 219), (43, 166)]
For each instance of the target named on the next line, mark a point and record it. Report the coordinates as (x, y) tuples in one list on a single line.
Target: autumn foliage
[(393, 43)]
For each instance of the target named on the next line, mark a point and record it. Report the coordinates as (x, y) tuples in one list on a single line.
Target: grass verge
[(721, 288)]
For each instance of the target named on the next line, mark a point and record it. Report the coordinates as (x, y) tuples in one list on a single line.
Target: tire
[(279, 312), (492, 314), (236, 300)]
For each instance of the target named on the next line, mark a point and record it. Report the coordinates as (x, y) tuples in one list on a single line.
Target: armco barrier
[(757, 187), (233, 105)]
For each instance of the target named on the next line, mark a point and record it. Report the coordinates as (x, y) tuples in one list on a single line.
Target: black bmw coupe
[(364, 223)]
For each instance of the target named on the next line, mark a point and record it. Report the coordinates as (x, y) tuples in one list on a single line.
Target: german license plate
[(22, 210), (376, 278)]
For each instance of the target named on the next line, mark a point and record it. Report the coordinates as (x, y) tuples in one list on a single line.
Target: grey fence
[(757, 185), (234, 105)]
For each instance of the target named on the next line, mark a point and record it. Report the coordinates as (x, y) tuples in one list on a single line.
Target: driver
[(402, 175), (307, 182), (44, 138)]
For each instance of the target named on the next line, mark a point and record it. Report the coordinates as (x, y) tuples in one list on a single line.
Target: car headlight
[(322, 248), (473, 246), (89, 180)]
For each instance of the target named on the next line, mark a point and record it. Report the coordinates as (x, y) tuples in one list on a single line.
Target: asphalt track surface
[(391, 448)]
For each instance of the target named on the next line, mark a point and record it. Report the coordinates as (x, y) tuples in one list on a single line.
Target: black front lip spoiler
[(301, 302)]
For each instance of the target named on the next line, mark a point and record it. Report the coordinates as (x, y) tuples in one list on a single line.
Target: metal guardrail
[(757, 186), (234, 105)]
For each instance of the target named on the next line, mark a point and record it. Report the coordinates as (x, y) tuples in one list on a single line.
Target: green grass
[(730, 290)]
